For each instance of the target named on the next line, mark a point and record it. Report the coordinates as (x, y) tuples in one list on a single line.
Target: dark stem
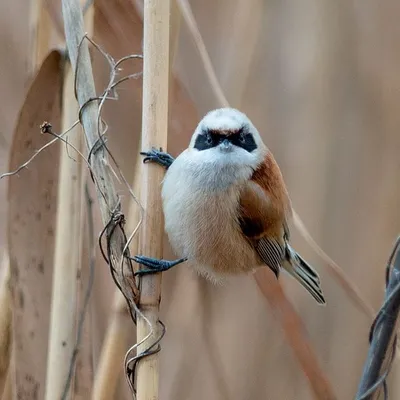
[(383, 335)]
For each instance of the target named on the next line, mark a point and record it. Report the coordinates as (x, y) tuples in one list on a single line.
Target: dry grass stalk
[(294, 332), (244, 38), (40, 29), (175, 27), (67, 251), (107, 196), (348, 286), (106, 192), (188, 16), (154, 133), (83, 365)]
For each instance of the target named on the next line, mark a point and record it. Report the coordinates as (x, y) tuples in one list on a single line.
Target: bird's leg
[(154, 266), (158, 156)]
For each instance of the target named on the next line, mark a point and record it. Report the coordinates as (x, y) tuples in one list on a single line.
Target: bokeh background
[(321, 81)]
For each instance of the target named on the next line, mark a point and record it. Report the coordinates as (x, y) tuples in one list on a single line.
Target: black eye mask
[(209, 139)]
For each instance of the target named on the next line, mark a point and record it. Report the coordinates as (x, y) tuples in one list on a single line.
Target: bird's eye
[(242, 139), (209, 140)]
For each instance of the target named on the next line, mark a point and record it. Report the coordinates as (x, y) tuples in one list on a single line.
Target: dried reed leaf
[(32, 211)]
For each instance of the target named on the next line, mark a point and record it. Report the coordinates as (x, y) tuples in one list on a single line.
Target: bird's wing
[(271, 252), (262, 225), (264, 209)]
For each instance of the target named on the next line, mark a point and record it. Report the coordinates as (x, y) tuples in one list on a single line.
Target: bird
[(226, 206)]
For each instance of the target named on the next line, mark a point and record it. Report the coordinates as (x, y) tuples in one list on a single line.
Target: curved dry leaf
[(32, 198)]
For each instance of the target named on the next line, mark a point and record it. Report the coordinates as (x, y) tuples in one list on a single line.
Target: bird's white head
[(227, 137)]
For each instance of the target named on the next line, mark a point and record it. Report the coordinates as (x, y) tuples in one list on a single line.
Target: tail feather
[(303, 273)]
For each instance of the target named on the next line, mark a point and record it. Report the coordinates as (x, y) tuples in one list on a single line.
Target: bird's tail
[(303, 273)]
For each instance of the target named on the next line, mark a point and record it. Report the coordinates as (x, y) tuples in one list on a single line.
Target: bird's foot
[(158, 156), (154, 265)]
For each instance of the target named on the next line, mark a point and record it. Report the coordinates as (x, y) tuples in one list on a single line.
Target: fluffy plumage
[(226, 205)]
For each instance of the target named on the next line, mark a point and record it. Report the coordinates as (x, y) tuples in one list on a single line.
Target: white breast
[(200, 201)]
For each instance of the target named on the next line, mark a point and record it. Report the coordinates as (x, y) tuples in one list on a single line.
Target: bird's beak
[(226, 146)]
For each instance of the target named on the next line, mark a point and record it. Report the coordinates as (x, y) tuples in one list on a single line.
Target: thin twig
[(25, 164), (383, 335), (349, 287), (46, 127)]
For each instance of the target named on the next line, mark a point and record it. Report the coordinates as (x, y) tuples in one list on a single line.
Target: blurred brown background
[(321, 81)]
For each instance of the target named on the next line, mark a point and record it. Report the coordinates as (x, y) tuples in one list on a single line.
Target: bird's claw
[(154, 265), (158, 156)]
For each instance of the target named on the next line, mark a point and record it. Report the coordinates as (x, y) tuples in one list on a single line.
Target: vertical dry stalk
[(154, 133), (83, 365), (106, 192), (175, 27), (67, 252), (40, 29), (239, 54)]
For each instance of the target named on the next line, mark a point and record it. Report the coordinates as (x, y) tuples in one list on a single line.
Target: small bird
[(226, 205)]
